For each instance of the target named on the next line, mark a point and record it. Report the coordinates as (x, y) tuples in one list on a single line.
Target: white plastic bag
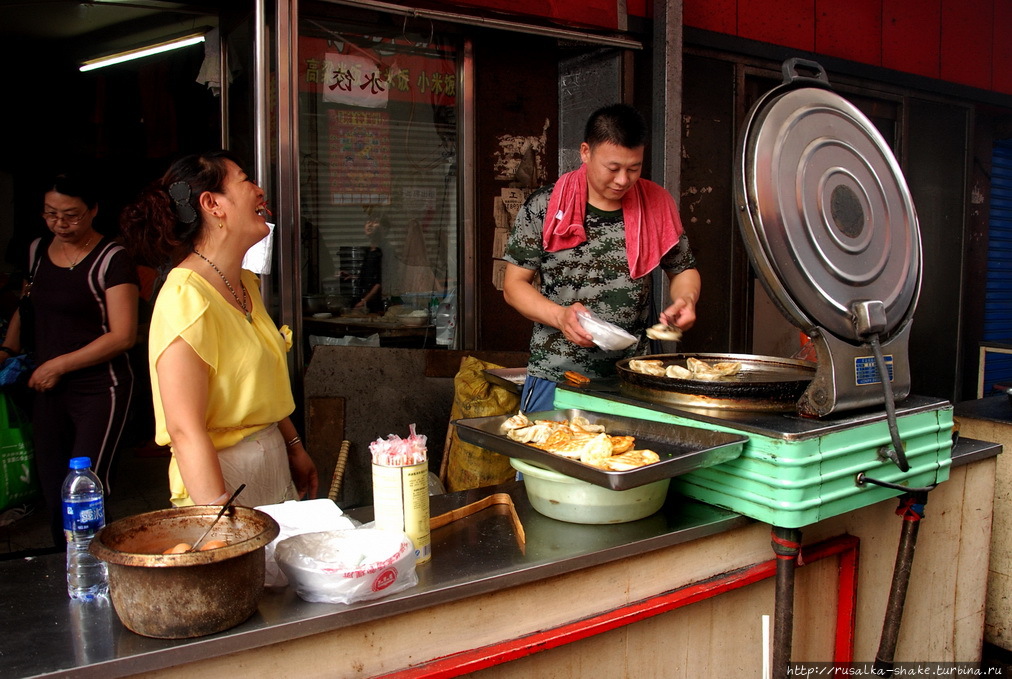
[(345, 566), (258, 258), (606, 335), (346, 341), (295, 518)]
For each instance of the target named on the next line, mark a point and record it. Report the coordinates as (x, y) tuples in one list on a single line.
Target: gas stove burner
[(832, 234)]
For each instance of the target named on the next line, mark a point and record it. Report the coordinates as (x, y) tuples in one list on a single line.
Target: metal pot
[(314, 304), (178, 596)]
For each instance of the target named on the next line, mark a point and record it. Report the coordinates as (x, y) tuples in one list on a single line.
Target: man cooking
[(594, 237)]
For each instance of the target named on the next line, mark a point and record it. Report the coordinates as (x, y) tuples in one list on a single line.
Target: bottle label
[(83, 516), (401, 503)]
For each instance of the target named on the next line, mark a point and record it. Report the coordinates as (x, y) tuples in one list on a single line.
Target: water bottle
[(83, 516), (446, 321), (433, 309)]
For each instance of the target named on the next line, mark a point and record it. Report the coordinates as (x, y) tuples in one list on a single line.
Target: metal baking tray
[(681, 449), (507, 378)]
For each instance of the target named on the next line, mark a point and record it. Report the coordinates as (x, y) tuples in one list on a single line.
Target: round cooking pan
[(764, 383)]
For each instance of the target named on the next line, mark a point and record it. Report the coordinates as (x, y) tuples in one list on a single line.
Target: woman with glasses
[(77, 320)]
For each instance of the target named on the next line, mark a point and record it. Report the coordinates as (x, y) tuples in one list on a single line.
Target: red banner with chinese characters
[(346, 74)]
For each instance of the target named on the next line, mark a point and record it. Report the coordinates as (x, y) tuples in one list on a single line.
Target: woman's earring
[(221, 225)]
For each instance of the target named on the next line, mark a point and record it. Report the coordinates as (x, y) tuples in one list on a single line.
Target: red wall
[(962, 41), (603, 13)]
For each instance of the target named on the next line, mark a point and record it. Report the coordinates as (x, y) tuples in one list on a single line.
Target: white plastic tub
[(567, 499)]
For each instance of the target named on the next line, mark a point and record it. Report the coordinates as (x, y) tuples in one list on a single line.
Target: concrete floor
[(140, 485)]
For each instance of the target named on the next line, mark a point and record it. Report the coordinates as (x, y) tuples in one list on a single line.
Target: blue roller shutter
[(998, 306)]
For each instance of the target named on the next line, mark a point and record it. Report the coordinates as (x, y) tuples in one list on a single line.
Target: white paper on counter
[(296, 517)]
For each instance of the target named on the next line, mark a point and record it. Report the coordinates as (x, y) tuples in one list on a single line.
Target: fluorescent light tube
[(140, 52)]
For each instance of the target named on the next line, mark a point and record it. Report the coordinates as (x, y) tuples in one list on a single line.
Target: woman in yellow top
[(219, 377)]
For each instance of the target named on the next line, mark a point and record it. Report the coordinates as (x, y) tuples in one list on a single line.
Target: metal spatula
[(224, 508)]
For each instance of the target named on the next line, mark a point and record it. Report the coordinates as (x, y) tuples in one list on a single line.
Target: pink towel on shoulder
[(652, 224)]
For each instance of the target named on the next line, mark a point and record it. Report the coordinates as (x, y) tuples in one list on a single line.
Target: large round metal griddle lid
[(825, 211)]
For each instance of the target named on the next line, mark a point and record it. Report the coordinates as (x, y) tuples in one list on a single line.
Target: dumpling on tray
[(632, 459), (647, 366), (535, 433), (583, 448)]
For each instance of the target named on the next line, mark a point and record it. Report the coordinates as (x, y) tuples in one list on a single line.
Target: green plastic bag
[(19, 481)]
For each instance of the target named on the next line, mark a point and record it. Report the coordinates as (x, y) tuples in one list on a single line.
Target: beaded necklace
[(240, 302)]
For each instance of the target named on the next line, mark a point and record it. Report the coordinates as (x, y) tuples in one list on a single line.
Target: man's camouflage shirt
[(595, 273)]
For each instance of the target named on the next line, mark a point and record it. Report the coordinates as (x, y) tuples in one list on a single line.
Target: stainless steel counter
[(992, 408), (46, 634)]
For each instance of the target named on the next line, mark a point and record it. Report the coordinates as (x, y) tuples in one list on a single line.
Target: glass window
[(378, 181)]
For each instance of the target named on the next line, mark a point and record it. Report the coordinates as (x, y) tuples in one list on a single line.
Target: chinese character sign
[(365, 78), (356, 80)]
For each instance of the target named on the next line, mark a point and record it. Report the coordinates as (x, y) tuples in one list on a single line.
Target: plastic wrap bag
[(295, 518), (14, 370), (606, 335), (345, 566)]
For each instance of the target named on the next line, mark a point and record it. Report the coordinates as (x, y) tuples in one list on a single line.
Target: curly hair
[(163, 224)]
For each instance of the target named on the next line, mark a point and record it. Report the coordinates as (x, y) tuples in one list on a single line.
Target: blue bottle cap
[(80, 462)]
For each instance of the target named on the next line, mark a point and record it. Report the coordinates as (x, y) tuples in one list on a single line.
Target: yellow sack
[(474, 396)]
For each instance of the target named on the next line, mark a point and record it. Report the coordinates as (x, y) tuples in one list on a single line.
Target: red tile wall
[(640, 8), (782, 22), (961, 41), (719, 16), (602, 13), (834, 36), (911, 36), (967, 41), (1001, 56)]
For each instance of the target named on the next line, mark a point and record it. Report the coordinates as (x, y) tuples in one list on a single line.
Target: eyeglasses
[(71, 220)]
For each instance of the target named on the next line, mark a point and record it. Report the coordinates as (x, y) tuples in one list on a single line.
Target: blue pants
[(538, 394)]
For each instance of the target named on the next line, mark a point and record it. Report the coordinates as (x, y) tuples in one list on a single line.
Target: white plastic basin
[(567, 499)]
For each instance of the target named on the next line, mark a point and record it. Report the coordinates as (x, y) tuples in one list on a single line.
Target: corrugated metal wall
[(998, 306)]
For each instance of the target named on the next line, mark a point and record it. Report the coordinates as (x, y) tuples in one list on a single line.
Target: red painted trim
[(846, 604), (844, 546)]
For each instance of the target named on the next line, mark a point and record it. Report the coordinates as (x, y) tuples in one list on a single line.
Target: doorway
[(123, 123)]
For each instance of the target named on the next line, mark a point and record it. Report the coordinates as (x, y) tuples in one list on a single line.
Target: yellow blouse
[(248, 386)]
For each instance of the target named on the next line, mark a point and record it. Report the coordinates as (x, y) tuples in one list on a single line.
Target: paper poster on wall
[(504, 211), (356, 80), (512, 199), (499, 243), (359, 150), (498, 273), (520, 159)]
